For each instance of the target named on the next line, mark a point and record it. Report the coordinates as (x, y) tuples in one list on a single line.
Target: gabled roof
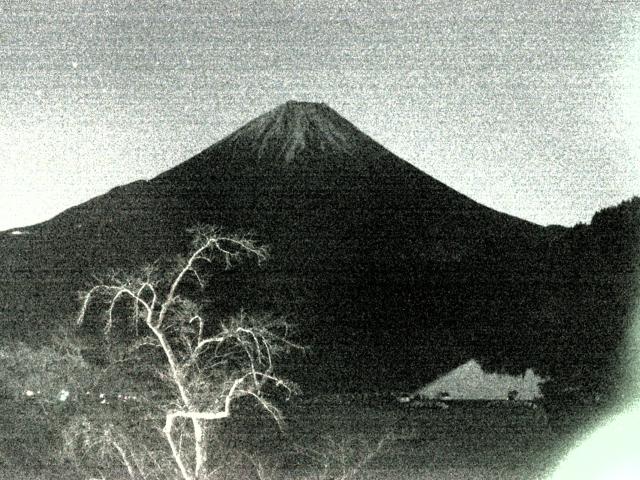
[(469, 381)]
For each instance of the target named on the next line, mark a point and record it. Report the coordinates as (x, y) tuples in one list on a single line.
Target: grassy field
[(469, 440), (327, 437)]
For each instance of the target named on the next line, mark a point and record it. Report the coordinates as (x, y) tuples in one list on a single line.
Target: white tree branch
[(242, 344)]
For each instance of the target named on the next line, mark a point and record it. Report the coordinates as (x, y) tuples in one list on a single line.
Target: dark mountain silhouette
[(391, 276)]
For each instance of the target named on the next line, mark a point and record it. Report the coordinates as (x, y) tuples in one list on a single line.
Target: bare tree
[(207, 365)]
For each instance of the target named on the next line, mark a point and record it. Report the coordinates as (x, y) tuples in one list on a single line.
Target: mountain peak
[(295, 128), (300, 105)]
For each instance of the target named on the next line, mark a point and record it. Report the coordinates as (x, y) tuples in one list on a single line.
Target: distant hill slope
[(391, 276)]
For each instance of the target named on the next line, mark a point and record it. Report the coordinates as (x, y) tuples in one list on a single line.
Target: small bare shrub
[(345, 458)]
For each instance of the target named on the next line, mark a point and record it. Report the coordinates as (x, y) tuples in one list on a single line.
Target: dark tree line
[(596, 269)]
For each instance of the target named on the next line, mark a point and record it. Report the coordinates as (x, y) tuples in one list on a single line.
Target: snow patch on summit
[(295, 127)]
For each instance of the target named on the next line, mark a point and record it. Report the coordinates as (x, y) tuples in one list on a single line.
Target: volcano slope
[(390, 276)]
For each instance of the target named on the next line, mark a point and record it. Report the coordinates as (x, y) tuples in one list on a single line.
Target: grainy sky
[(532, 108)]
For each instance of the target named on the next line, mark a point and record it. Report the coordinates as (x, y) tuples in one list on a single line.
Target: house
[(470, 382)]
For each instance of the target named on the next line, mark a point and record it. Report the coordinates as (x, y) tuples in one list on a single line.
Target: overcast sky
[(532, 108)]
